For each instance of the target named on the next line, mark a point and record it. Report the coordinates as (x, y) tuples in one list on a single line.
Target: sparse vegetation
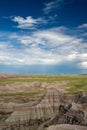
[(32, 94), (76, 82)]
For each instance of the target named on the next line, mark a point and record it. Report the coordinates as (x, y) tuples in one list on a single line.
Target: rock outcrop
[(66, 127)]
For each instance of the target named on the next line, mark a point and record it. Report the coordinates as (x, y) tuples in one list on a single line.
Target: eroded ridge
[(52, 108)]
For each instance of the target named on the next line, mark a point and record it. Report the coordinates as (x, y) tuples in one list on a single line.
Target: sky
[(43, 36)]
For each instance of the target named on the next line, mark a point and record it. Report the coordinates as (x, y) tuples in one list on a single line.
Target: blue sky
[(43, 36)]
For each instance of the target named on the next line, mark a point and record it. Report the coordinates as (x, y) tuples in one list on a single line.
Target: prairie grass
[(77, 82)]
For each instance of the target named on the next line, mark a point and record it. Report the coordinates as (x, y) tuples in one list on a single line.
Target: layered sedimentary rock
[(52, 109)]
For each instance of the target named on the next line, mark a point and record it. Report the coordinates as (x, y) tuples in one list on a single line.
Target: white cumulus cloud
[(51, 46), (28, 22), (83, 64), (83, 26)]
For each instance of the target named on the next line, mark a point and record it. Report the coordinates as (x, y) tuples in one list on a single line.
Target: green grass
[(77, 82), (10, 97), (40, 78), (22, 94)]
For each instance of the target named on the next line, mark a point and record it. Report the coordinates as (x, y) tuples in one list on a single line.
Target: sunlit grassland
[(9, 97), (25, 94), (76, 82)]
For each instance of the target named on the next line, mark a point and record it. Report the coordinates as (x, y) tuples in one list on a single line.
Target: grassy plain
[(76, 82)]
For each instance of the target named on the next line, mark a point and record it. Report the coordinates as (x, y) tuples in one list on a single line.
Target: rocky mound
[(66, 127)]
